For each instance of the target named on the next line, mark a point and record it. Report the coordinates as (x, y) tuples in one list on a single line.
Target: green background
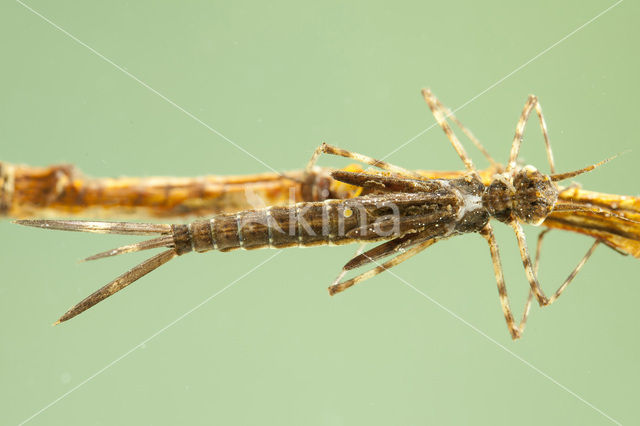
[(278, 78)]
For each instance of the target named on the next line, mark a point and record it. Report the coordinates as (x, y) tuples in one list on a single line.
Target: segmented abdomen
[(303, 224)]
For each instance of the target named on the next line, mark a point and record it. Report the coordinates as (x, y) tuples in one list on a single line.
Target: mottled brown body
[(436, 209), (403, 208), (427, 211), (61, 190), (404, 212)]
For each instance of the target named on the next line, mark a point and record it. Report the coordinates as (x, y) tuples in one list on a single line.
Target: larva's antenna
[(562, 176)]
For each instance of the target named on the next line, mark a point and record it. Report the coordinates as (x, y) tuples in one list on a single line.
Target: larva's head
[(535, 195), (527, 196)]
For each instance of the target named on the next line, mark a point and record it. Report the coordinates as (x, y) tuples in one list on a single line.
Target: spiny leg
[(545, 134), (488, 235), (532, 277), (536, 264), (531, 103), (449, 114), (573, 273), (433, 103), (525, 313), (325, 148), (337, 288)]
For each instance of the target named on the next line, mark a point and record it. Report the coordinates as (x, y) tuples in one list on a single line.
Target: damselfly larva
[(406, 211), (62, 190)]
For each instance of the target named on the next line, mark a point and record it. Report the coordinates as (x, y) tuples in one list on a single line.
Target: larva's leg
[(333, 150), (536, 264), (450, 115), (488, 235), (531, 103), (532, 275), (438, 113), (573, 273), (526, 262)]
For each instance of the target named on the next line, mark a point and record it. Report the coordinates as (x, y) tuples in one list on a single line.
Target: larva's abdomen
[(304, 224)]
